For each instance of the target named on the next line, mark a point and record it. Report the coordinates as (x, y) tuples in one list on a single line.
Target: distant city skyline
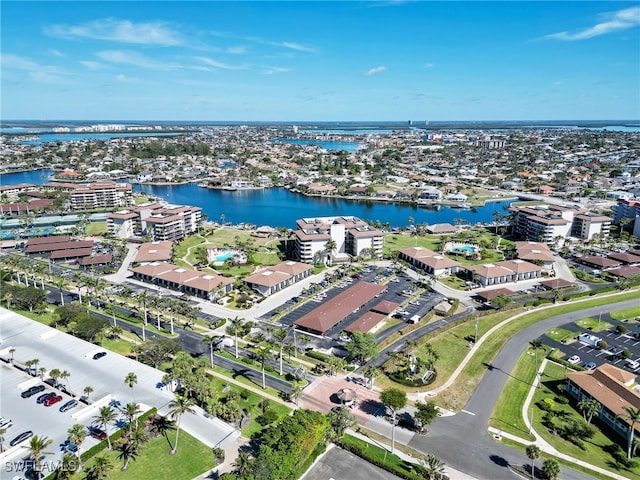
[(320, 61)]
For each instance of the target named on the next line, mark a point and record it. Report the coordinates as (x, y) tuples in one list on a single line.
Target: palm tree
[(243, 466), (127, 451), (87, 391), (279, 336), (434, 467), (633, 415), (67, 468), (263, 354), (161, 425), (589, 408), (533, 452), (100, 468), (296, 391), (76, 434), (236, 324), (3, 430), (37, 447), (131, 411), (551, 468), (142, 299), (536, 344), (210, 340), (131, 379), (59, 282), (370, 373), (179, 406), (105, 416)]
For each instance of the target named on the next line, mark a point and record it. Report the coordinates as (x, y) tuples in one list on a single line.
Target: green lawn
[(266, 258), (593, 324), (626, 314), (395, 241), (593, 453), (96, 228), (558, 334), (507, 413), (191, 460)]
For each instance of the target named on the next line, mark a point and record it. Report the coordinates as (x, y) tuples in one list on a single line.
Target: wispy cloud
[(298, 47), (123, 31), (91, 65), (429, 65), (34, 70), (275, 70), (55, 53), (127, 57), (294, 46), (373, 71), (612, 22), (213, 63)]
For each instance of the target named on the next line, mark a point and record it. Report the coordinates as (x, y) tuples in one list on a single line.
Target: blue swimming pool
[(224, 257), (465, 248)]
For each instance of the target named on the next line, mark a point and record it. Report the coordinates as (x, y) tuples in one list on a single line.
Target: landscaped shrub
[(602, 345), (621, 329), (318, 356)]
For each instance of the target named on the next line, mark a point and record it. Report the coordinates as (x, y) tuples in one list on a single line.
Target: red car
[(52, 400), (99, 434)]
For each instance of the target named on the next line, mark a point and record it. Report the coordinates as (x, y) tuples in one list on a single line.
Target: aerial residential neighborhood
[(394, 333)]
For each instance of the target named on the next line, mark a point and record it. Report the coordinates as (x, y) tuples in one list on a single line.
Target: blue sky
[(322, 61)]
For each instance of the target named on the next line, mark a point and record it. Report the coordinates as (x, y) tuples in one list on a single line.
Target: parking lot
[(616, 343), (55, 349), (399, 289)]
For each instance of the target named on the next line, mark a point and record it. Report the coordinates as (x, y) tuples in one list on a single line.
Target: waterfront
[(325, 144), (78, 137), (279, 207)]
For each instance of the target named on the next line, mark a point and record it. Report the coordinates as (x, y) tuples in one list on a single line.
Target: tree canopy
[(362, 347)]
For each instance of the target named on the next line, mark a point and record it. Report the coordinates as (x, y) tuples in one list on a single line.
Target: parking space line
[(468, 413)]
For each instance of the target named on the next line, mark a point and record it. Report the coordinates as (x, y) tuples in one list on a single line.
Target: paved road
[(462, 441)]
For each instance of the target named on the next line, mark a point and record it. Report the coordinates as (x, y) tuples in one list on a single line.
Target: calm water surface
[(279, 207)]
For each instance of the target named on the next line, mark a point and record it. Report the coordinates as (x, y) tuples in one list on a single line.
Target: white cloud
[(127, 57), (429, 65), (34, 70), (55, 53), (373, 71), (216, 64), (239, 50), (275, 70), (91, 65), (123, 31), (295, 46), (121, 78), (613, 22)]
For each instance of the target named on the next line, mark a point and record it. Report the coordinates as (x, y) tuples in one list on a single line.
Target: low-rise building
[(504, 272), (431, 262), (278, 277), (612, 388)]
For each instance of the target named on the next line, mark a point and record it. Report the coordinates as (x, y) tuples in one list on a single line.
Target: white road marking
[(468, 413)]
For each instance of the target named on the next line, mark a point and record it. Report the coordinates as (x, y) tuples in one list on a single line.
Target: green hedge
[(397, 467), (318, 356)]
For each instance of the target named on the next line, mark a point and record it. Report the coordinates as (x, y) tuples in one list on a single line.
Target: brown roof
[(267, 278), (52, 247), (417, 252), (598, 261), (292, 268), (519, 266), (556, 283), (496, 292), (490, 270), (366, 322), (73, 253), (322, 318), (386, 307), (183, 276), (626, 271), (52, 239), (625, 257), (97, 259), (154, 252), (534, 251), (609, 385), (123, 215)]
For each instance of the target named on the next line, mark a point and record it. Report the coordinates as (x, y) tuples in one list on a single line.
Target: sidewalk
[(541, 442), (452, 473)]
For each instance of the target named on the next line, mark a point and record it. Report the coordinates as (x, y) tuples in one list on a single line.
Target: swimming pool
[(224, 256), (465, 248)]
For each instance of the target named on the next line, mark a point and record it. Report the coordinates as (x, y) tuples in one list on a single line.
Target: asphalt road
[(462, 441)]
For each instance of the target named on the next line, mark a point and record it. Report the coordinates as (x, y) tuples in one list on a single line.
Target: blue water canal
[(279, 207)]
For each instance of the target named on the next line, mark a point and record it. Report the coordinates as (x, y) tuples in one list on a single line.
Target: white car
[(574, 360)]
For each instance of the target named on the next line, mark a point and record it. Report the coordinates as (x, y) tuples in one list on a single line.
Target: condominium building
[(626, 209), (547, 223), (350, 235), (431, 262), (158, 221), (12, 191), (276, 278), (95, 195)]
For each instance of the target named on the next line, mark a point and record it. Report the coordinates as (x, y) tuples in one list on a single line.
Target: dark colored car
[(52, 400), (99, 434), (99, 355), (21, 438), (44, 397), (69, 405), (32, 391)]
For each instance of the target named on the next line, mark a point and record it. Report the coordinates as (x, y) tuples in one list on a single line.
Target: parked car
[(98, 434), (590, 365), (69, 405), (574, 359), (52, 400), (21, 438), (32, 391), (5, 422), (44, 397), (99, 355)]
